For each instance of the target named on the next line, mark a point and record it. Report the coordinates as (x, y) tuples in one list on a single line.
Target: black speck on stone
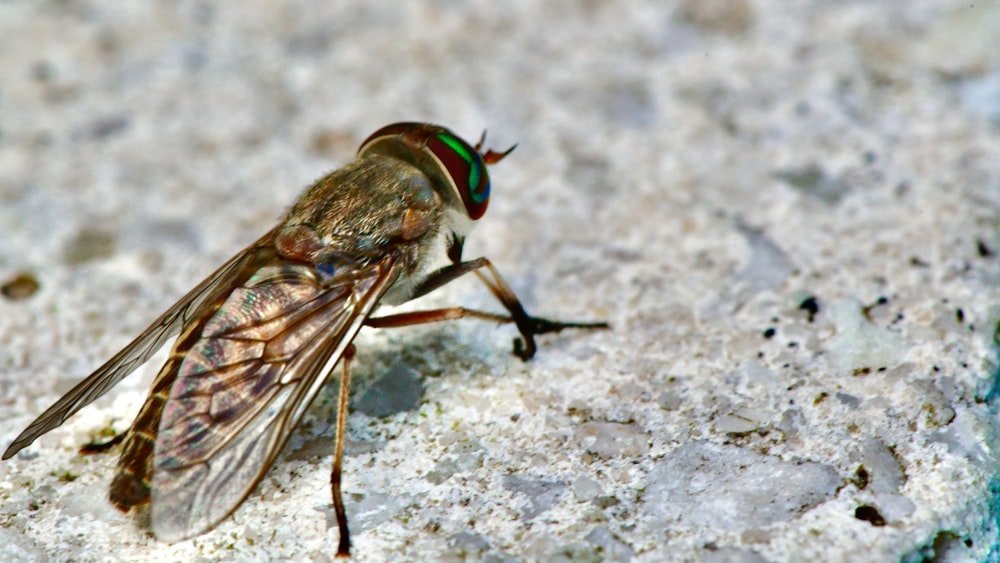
[(983, 250), (869, 514), (960, 315), (770, 332), (398, 390), (861, 477), (810, 305)]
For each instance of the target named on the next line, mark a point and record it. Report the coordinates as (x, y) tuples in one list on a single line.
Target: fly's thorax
[(371, 207), (433, 191)]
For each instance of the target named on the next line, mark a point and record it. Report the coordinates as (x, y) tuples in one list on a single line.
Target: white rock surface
[(693, 172)]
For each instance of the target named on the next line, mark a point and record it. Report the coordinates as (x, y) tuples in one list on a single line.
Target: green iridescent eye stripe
[(456, 145), (474, 170), (477, 195)]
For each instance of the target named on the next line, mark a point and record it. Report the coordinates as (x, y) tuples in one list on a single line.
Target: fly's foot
[(524, 346)]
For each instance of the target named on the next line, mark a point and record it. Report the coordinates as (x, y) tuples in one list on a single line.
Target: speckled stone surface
[(789, 212)]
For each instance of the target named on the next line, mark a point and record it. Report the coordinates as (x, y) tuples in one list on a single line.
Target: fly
[(259, 337)]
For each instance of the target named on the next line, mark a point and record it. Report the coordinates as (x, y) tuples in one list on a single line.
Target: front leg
[(527, 325)]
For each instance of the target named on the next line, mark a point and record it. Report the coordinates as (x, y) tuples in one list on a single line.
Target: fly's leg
[(527, 325), (102, 447), (344, 546), (434, 316)]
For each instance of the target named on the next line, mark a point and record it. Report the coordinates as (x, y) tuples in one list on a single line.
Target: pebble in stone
[(669, 401), (585, 488), (860, 344), (468, 544), (89, 244), (731, 555), (812, 180), (540, 495), (372, 509), (21, 286), (611, 439), (850, 401), (609, 547), (768, 265), (731, 424), (981, 97), (732, 488), (894, 508), (886, 475)]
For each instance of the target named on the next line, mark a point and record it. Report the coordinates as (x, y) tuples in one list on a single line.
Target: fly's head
[(456, 169)]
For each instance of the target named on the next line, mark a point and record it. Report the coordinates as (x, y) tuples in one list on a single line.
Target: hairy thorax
[(364, 211)]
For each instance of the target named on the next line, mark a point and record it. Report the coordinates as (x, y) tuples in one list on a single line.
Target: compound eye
[(442, 155), (465, 170)]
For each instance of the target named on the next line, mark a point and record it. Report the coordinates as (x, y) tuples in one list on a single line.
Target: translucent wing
[(147, 344), (241, 381)]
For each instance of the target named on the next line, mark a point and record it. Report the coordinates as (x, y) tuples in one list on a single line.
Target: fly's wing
[(245, 381), (147, 344)]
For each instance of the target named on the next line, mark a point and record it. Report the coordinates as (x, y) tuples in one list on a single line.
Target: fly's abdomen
[(130, 487)]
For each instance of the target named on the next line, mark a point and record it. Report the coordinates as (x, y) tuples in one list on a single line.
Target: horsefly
[(259, 337)]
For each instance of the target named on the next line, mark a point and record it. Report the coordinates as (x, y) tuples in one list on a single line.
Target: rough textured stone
[(788, 212), (701, 484)]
